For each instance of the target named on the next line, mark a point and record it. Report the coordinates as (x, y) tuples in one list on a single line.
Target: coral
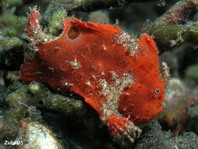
[(17, 109), (179, 100), (193, 119), (90, 4), (175, 35), (99, 17), (175, 26), (22, 105), (11, 47), (35, 103), (193, 111), (37, 136), (178, 14), (174, 91), (186, 140), (153, 137), (56, 102), (2, 97)]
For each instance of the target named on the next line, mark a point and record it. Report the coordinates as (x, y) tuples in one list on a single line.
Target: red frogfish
[(116, 74)]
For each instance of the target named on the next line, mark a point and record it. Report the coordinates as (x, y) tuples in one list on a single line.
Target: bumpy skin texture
[(88, 59)]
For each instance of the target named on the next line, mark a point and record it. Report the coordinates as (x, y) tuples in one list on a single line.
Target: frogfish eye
[(157, 91), (73, 33)]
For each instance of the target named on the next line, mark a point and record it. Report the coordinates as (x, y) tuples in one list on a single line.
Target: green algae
[(22, 100), (55, 24), (13, 2), (8, 43), (192, 71), (168, 37), (12, 25), (193, 112), (11, 53), (67, 105)]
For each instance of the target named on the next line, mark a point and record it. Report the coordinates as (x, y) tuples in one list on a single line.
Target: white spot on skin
[(104, 47), (127, 94), (90, 94), (51, 68), (75, 64), (114, 75), (94, 77), (88, 83), (102, 73), (68, 84)]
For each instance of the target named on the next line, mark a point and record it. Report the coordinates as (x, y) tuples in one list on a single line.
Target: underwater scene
[(98, 74)]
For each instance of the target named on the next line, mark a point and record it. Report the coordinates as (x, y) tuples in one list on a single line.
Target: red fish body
[(120, 79)]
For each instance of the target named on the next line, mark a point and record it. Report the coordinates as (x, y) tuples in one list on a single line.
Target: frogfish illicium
[(116, 74)]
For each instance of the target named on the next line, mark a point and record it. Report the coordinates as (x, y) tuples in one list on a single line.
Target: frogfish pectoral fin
[(122, 128)]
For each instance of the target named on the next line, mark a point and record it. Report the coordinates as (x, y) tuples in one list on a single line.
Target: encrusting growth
[(124, 87)]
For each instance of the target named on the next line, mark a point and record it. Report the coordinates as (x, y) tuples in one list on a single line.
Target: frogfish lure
[(116, 74)]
